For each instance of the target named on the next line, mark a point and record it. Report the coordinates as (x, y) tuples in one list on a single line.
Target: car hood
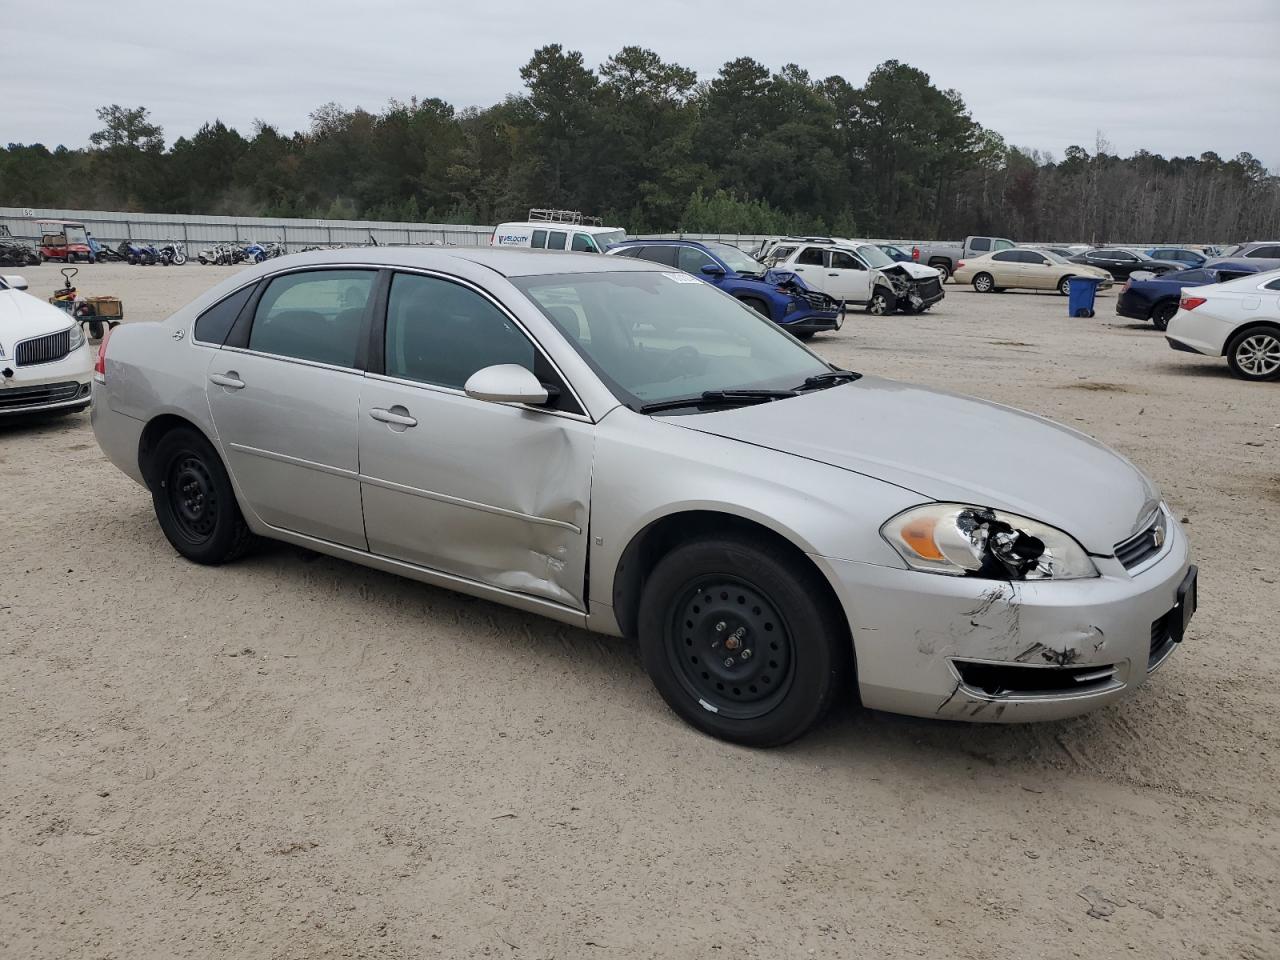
[(23, 316), (916, 271), (952, 448)]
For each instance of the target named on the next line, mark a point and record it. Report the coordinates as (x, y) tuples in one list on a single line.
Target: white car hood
[(917, 271), (23, 316), (952, 448)]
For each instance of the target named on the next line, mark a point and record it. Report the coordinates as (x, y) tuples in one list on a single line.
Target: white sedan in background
[(45, 360), (1239, 320)]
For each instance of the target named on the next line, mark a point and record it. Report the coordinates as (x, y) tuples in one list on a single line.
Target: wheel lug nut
[(721, 626), (746, 654), (728, 661)]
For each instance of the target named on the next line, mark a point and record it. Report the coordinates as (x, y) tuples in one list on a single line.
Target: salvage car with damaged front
[(619, 446)]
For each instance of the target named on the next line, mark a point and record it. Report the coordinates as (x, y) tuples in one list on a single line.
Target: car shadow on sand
[(51, 424)]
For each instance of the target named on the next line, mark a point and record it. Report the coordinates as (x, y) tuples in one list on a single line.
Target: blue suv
[(778, 294)]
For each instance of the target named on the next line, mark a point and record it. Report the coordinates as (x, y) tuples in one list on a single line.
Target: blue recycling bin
[(1081, 292)]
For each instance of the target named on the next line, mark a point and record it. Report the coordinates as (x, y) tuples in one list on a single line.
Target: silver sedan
[(624, 448)]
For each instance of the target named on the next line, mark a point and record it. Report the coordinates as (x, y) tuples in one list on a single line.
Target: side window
[(441, 332), (1007, 256), (980, 243), (214, 324), (1274, 285), (1268, 252), (315, 315), (810, 257), (555, 240), (584, 244), (845, 261), (1123, 255), (539, 240), (666, 255), (692, 260)]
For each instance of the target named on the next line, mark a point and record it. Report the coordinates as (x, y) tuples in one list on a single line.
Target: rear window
[(1194, 276), (214, 324)]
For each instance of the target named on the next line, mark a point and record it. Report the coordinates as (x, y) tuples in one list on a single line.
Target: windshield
[(1053, 257), (607, 238), (656, 336), (874, 256), (737, 261), (1137, 253), (1232, 250)]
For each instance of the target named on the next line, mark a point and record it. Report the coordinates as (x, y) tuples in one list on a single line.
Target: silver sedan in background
[(626, 449)]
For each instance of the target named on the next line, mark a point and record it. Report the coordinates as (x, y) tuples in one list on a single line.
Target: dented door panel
[(492, 492)]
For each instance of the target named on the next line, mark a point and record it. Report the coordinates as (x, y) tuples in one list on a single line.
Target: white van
[(558, 230)]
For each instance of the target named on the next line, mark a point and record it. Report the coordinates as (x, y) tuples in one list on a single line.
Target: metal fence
[(197, 231)]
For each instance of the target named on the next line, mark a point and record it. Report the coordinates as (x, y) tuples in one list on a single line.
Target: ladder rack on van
[(575, 217)]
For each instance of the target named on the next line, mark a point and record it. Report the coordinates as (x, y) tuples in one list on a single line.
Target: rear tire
[(1064, 286), (1254, 353), (984, 283), (194, 501), (944, 271), (1163, 313), (761, 661)]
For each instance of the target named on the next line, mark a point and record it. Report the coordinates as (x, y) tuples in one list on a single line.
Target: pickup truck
[(944, 255)]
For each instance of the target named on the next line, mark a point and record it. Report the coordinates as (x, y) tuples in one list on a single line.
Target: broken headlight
[(960, 540)]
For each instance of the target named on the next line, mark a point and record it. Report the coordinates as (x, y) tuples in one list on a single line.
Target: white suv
[(860, 274), (1239, 320)]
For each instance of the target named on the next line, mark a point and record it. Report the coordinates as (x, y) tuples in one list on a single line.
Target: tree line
[(648, 146)]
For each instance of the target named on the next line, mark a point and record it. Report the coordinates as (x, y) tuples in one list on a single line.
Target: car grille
[(819, 300), (1004, 679), (928, 288), (46, 349), (1145, 544), (14, 399)]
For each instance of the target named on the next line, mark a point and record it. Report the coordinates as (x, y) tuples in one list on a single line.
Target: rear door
[(811, 265), (284, 393), (492, 492)]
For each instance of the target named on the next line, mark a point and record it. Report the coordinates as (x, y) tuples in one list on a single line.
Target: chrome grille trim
[(1149, 542), (46, 349)]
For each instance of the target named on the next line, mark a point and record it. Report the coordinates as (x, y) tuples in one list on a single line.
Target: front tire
[(742, 642), (759, 306), (193, 499), (1254, 353), (1163, 313), (984, 283), (882, 303)]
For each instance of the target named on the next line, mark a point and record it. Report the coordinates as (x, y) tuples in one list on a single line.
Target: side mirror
[(506, 383), (711, 270), (15, 282)]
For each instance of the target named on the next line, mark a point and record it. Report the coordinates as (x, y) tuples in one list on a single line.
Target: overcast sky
[(1176, 77)]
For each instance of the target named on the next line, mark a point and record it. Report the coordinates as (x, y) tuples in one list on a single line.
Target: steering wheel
[(683, 362)]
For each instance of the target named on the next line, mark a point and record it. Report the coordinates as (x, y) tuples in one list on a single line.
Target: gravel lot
[(294, 757)]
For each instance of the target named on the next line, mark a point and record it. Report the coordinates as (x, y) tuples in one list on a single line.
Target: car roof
[(506, 261)]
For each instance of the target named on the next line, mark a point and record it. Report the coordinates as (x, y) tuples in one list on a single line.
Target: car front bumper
[(46, 387), (918, 636), (813, 323)]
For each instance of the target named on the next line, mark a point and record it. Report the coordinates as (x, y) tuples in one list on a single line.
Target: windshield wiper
[(829, 379), (709, 397)]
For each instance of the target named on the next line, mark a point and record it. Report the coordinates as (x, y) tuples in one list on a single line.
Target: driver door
[(491, 492), (848, 277)]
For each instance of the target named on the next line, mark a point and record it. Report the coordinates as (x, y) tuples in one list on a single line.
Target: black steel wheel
[(743, 639), (194, 501), (730, 647)]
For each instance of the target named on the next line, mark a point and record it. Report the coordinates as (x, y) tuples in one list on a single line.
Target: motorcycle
[(174, 253), (138, 254)]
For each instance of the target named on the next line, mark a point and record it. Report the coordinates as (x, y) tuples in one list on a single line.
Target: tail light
[(959, 264), (100, 365), (915, 253), (1127, 284), (1190, 303)]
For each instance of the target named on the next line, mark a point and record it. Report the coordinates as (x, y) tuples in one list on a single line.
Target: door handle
[(231, 380), (833, 274), (399, 419)]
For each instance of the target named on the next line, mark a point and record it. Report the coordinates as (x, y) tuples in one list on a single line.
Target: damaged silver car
[(626, 449)]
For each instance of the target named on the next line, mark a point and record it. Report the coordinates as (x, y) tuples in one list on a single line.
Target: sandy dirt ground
[(295, 757)]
